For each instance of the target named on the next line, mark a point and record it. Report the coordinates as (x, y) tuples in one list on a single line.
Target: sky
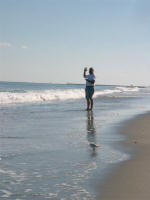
[(53, 40)]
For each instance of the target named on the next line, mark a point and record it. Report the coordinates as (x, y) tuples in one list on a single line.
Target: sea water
[(46, 137)]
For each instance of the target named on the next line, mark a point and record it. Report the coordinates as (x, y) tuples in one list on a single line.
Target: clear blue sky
[(52, 40)]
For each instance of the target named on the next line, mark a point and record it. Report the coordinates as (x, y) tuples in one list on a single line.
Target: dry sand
[(131, 180)]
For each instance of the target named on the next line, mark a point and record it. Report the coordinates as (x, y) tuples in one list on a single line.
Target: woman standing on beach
[(89, 90)]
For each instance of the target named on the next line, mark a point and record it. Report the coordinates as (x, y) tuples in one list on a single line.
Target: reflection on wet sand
[(91, 132)]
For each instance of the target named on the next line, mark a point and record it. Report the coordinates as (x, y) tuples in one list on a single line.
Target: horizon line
[(69, 83)]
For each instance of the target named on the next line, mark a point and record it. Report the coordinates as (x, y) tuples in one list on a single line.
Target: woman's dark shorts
[(89, 91)]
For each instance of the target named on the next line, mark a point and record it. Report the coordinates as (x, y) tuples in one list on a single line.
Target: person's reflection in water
[(91, 132)]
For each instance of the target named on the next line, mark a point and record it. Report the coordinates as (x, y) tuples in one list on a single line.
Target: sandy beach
[(131, 180)]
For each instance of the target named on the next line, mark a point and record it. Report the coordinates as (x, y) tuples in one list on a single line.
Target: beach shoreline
[(131, 179)]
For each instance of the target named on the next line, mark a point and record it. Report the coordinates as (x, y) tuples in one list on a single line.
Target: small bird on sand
[(93, 145)]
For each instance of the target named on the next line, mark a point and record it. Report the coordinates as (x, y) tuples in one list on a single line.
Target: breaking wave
[(58, 94)]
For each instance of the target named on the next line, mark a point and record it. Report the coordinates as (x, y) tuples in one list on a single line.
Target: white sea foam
[(6, 193), (128, 89), (28, 190), (58, 94)]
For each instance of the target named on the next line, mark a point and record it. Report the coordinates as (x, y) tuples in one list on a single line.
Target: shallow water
[(45, 150)]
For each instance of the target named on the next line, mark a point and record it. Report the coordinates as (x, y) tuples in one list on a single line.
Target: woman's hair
[(91, 70)]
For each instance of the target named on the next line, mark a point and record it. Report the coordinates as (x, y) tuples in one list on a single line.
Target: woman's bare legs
[(88, 104), (91, 102)]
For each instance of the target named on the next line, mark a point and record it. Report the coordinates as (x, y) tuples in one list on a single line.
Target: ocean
[(47, 137)]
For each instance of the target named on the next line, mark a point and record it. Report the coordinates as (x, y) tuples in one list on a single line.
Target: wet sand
[(131, 180)]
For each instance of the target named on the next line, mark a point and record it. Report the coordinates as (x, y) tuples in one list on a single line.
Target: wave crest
[(51, 95)]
